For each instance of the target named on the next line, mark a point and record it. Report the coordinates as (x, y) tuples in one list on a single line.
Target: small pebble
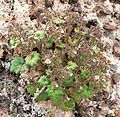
[(116, 49), (110, 27)]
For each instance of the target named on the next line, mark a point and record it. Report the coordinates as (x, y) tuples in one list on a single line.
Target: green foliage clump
[(16, 64), (76, 59), (84, 34), (14, 42), (68, 81), (85, 74), (59, 21), (96, 50), (76, 96), (48, 72), (19, 63), (43, 80), (77, 30), (71, 66), (31, 89), (87, 91), (42, 96), (40, 35), (32, 59), (55, 94), (50, 42), (68, 105)]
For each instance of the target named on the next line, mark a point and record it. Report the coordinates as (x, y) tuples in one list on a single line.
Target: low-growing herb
[(16, 64), (59, 20), (85, 74), (32, 59), (40, 35), (14, 42)]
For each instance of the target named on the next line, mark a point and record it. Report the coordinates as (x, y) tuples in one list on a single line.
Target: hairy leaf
[(68, 105), (71, 66), (31, 89), (32, 59), (85, 74), (42, 96), (59, 21), (40, 35), (16, 64), (55, 94), (68, 81), (86, 91), (43, 80), (14, 42)]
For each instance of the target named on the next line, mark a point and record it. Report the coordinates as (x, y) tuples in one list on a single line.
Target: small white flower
[(47, 61), (75, 52), (97, 77), (71, 74)]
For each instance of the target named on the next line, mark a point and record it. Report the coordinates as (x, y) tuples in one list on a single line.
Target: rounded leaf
[(32, 59), (42, 96), (68, 105), (16, 64), (85, 74), (31, 89)]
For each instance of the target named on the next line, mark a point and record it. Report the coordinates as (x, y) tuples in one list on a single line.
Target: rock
[(113, 68), (1, 52), (49, 3), (4, 104), (72, 1), (117, 114), (92, 22), (63, 1), (76, 8), (1, 67), (115, 78), (35, 12), (4, 114), (116, 49), (116, 1), (60, 113), (102, 10), (110, 27)]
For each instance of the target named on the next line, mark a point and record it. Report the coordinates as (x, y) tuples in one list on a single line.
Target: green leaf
[(99, 71), (84, 34), (55, 94), (72, 41), (68, 105), (76, 96), (16, 64), (32, 59), (68, 81), (42, 96), (94, 41), (86, 91), (61, 45), (43, 80), (48, 72), (85, 74), (40, 35), (59, 21), (71, 66), (96, 50), (50, 42), (82, 57), (14, 42), (77, 30), (30, 33), (31, 89)]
